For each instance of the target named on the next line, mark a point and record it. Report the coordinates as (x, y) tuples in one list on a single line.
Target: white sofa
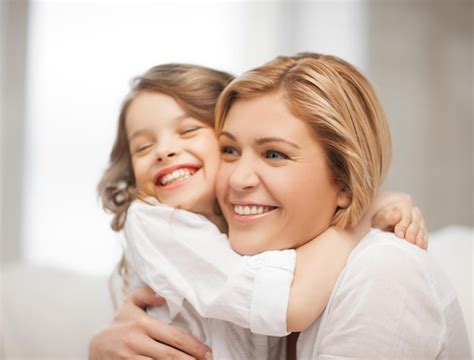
[(51, 314)]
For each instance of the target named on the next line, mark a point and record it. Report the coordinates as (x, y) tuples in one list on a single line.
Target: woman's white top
[(390, 301), (184, 257)]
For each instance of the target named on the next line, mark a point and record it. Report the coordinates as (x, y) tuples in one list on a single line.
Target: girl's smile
[(174, 156)]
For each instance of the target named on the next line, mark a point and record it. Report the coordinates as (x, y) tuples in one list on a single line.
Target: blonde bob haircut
[(340, 105), (195, 89)]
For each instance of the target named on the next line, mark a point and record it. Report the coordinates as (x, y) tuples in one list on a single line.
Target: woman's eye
[(275, 155), (229, 150), (189, 130)]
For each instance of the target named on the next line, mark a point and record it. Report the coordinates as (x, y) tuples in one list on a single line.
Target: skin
[(272, 159), (163, 139), (135, 335)]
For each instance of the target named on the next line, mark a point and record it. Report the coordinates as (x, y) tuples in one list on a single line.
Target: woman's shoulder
[(381, 256)]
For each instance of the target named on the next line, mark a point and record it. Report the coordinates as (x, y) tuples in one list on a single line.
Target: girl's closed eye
[(189, 130), (141, 148)]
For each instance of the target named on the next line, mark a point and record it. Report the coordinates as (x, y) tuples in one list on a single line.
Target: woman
[(390, 301), (324, 105)]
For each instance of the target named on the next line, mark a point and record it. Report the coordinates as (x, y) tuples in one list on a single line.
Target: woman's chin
[(244, 248)]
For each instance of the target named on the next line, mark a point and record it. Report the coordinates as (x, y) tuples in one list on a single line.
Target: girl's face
[(174, 156), (274, 186)]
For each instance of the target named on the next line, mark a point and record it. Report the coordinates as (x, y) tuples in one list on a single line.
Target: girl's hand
[(134, 334), (396, 212)]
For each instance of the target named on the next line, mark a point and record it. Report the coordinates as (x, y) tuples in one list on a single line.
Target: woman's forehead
[(265, 116)]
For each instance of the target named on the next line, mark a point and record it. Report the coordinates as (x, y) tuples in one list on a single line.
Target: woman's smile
[(276, 192)]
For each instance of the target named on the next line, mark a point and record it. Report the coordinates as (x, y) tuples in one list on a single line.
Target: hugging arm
[(320, 261), (133, 334), (395, 212), (181, 256), (234, 288)]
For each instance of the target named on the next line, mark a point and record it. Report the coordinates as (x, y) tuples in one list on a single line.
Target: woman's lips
[(249, 212)]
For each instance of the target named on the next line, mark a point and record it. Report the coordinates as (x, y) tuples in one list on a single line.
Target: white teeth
[(179, 174), (251, 210)]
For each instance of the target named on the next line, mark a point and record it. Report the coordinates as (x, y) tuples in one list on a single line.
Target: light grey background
[(418, 54)]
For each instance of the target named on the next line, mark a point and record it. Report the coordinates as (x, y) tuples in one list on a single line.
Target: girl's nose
[(166, 151), (163, 156)]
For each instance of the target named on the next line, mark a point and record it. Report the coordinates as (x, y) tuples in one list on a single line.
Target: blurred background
[(66, 66)]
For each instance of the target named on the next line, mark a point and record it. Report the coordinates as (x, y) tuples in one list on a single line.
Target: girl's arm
[(182, 255), (320, 261), (182, 258)]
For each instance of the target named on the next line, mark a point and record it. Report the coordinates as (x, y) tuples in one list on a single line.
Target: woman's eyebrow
[(266, 140), (228, 134)]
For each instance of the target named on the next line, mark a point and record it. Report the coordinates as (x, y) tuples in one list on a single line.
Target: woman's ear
[(343, 198)]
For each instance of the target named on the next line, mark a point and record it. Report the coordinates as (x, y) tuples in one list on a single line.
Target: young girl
[(160, 186)]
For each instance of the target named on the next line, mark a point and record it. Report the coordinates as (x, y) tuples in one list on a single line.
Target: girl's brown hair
[(341, 107), (195, 89)]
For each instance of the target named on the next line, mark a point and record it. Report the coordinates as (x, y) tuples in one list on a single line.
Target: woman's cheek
[(222, 180)]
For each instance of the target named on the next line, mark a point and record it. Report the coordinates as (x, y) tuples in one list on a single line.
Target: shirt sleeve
[(183, 256), (381, 308)]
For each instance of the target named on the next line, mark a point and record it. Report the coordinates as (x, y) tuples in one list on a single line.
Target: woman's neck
[(219, 221)]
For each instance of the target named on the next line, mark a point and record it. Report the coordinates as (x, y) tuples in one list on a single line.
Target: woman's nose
[(243, 176)]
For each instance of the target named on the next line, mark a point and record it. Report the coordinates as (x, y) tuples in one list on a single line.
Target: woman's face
[(274, 186)]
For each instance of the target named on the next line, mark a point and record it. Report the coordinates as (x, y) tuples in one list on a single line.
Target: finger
[(402, 226), (175, 338), (144, 297), (158, 350), (425, 238), (421, 241), (412, 229), (386, 219)]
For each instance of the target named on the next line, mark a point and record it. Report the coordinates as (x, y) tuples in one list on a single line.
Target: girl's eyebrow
[(138, 133), (264, 140), (144, 131), (181, 117)]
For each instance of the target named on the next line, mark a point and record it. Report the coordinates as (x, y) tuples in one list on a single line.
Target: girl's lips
[(168, 170), (177, 183)]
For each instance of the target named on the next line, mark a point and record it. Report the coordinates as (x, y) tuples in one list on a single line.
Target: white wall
[(81, 55), (81, 58), (12, 120), (420, 59)]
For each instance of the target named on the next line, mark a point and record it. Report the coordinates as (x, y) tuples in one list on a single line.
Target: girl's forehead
[(154, 111)]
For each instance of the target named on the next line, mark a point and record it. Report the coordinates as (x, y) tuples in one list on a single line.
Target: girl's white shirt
[(222, 298), (391, 301)]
